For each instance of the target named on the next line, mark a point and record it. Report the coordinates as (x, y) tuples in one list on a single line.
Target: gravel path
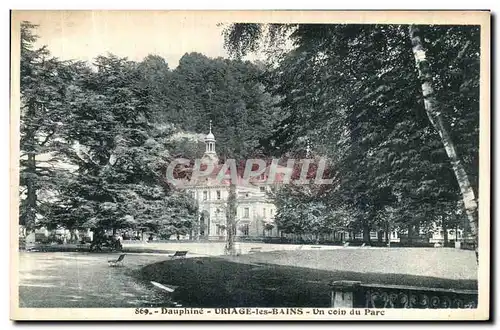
[(83, 280)]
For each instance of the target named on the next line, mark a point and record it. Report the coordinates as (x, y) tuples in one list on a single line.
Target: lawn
[(277, 278), (301, 278)]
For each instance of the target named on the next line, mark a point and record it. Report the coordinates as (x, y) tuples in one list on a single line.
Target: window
[(205, 195), (218, 194), (247, 213), (262, 189), (220, 230), (264, 212)]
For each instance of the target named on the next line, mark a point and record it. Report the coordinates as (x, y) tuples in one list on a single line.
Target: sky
[(83, 35)]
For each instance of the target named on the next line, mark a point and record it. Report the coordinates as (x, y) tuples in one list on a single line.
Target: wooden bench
[(179, 254), (255, 249), (117, 262)]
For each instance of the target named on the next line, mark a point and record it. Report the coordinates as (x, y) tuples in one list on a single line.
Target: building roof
[(209, 137), (213, 178)]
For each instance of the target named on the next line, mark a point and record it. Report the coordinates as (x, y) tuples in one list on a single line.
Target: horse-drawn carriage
[(101, 241), (110, 243)]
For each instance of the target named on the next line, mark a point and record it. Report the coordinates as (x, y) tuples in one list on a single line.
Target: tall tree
[(200, 89), (358, 85), (120, 157), (44, 85), (231, 211), (436, 118)]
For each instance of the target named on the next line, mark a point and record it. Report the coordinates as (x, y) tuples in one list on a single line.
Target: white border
[(148, 4)]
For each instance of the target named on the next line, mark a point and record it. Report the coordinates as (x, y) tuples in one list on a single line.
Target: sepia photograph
[(264, 165)]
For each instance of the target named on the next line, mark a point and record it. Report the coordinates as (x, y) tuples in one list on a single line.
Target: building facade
[(255, 209)]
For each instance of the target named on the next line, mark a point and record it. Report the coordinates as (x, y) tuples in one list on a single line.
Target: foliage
[(43, 83), (301, 209), (229, 93), (97, 122), (358, 86), (96, 140)]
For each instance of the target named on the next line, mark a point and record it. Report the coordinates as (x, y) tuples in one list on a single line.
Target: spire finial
[(210, 126)]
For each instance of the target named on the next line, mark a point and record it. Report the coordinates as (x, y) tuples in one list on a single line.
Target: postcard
[(250, 165)]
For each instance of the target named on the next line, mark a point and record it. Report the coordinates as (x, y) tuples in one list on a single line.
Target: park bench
[(117, 262), (255, 249), (179, 254)]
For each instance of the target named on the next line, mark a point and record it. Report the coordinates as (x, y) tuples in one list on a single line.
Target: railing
[(354, 294)]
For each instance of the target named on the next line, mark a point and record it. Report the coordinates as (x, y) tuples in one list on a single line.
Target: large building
[(255, 210)]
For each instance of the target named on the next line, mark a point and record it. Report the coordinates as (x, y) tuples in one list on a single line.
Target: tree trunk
[(436, 120), (231, 220), (410, 233), (366, 232), (387, 232), (31, 198), (74, 236), (197, 229), (445, 231)]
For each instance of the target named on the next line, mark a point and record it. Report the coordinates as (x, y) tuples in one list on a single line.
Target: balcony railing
[(358, 295)]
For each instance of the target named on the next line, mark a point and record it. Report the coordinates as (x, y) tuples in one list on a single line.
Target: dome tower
[(210, 153)]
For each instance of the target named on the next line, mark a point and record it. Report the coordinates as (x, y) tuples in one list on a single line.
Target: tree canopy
[(354, 93), (96, 138)]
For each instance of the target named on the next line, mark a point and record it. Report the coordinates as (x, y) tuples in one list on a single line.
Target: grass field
[(276, 278), (301, 278)]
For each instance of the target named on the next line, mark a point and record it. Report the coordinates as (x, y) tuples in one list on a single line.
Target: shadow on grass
[(219, 282)]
